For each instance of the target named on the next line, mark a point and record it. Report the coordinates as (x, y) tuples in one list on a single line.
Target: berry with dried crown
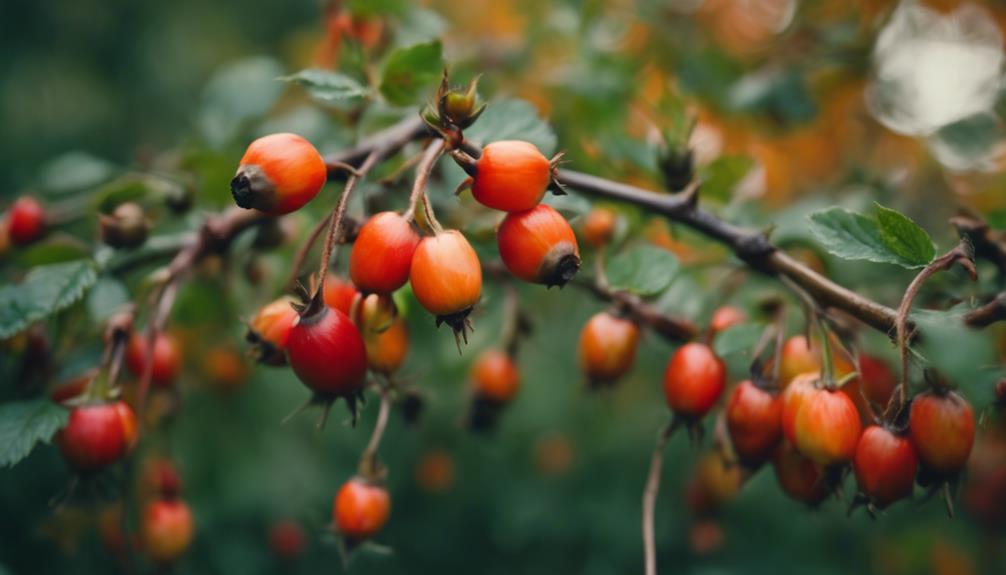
[(278, 174), (538, 246)]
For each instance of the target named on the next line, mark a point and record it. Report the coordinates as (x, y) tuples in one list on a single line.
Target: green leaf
[(236, 94), (512, 120), (25, 423), (53, 251), (107, 297), (644, 269), (73, 172), (328, 86), (720, 177), (857, 237), (739, 338), (410, 71), (904, 237), (967, 357), (45, 290)]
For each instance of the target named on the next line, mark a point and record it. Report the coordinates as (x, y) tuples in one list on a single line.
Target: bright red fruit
[(97, 435), (538, 246), (167, 357), (726, 317), (828, 427), (877, 379), (339, 293), (607, 348), (754, 420), (327, 353), (361, 509), (792, 400), (278, 174), (25, 221), (942, 427), (799, 477), (885, 466), (512, 176), (694, 380), (446, 277), (495, 377), (382, 253), (166, 529)]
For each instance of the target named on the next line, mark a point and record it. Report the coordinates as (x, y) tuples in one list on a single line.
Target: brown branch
[(370, 467), (650, 497), (423, 171), (987, 314), (385, 143), (335, 220), (673, 329), (303, 250), (988, 244)]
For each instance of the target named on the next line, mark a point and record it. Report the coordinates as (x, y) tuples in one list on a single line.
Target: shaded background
[(807, 96)]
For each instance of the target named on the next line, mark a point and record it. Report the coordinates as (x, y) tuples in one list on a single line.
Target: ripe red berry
[(446, 277), (166, 529), (877, 379), (798, 476), (599, 227), (512, 176), (538, 246), (726, 317), (495, 377), (339, 293), (97, 435), (361, 509), (607, 348), (942, 427), (792, 400), (382, 253), (278, 174), (828, 427), (269, 330), (754, 420), (327, 353), (694, 380), (26, 221), (798, 357), (286, 539), (167, 357), (885, 466)]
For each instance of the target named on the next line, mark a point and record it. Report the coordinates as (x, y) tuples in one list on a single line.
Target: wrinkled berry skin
[(382, 253), (694, 380), (512, 176), (97, 435), (942, 427), (278, 174), (361, 509), (539, 246), (327, 353)]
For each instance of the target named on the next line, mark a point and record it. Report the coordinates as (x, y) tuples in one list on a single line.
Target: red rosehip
[(495, 377), (97, 435), (382, 253), (726, 317), (278, 174), (694, 380), (942, 427), (327, 353), (885, 466), (754, 421), (538, 246), (26, 221), (167, 357), (166, 530), (599, 227), (361, 509), (877, 379), (512, 176), (798, 476), (269, 330), (607, 348), (339, 293), (792, 400), (286, 539), (828, 427), (446, 277)]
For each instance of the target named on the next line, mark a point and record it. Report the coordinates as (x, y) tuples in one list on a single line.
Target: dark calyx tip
[(563, 271), (241, 190)]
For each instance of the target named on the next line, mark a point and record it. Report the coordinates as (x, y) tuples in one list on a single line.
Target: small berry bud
[(126, 227)]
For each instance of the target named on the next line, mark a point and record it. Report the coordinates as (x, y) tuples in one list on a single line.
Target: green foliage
[(721, 176), (236, 94), (737, 339), (512, 119), (44, 291), (327, 86), (73, 172), (642, 269), (888, 237), (23, 424), (410, 72)]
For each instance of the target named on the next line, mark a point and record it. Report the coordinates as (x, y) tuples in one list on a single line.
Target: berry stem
[(368, 459), (423, 171), (650, 496), (301, 255)]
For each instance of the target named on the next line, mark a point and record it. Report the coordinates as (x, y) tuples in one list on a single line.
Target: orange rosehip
[(361, 509), (828, 427), (166, 530), (446, 277), (278, 174), (511, 176), (539, 246), (382, 253), (269, 331), (607, 348), (694, 380), (167, 362), (339, 293), (599, 227), (495, 377)]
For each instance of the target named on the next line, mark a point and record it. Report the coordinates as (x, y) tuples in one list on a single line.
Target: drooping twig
[(989, 313), (368, 459), (650, 497), (335, 220), (303, 250), (423, 170)]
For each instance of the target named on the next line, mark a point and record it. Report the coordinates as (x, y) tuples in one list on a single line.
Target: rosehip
[(798, 357), (435, 471), (327, 353), (885, 466), (754, 420), (607, 348), (599, 227), (828, 427), (26, 221), (694, 380), (224, 368), (286, 539), (511, 176), (97, 435), (361, 509), (877, 379), (384, 333), (382, 253), (269, 331), (538, 246), (339, 293), (167, 357), (726, 317), (446, 277), (166, 530), (125, 227), (495, 377), (278, 174), (792, 400), (942, 427), (798, 476)]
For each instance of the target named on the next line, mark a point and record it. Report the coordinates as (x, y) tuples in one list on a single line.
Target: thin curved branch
[(987, 314)]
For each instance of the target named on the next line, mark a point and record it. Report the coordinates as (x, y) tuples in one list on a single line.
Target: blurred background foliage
[(798, 105)]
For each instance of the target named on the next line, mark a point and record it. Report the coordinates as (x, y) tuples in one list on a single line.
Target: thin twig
[(301, 255), (987, 314), (650, 497), (368, 459), (423, 170), (335, 220)]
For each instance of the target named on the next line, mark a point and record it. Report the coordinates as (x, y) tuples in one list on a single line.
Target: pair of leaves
[(887, 236)]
